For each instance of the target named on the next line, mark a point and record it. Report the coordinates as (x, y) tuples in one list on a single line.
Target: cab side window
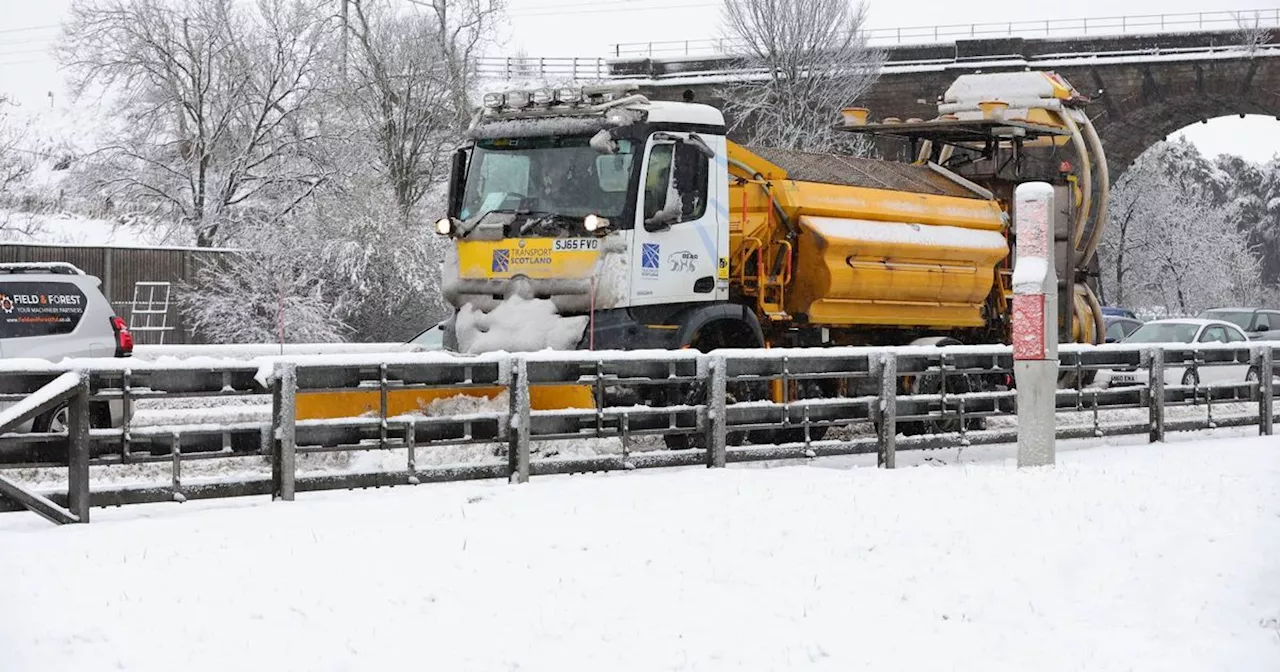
[(1267, 322), (1115, 332), (691, 182), (691, 175), (656, 179), (1235, 336)]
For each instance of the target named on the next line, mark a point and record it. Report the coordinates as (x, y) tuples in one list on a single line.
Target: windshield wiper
[(536, 218), (546, 217), (506, 211)]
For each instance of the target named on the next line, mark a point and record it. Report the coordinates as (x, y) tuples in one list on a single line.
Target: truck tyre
[(931, 384), (721, 333)]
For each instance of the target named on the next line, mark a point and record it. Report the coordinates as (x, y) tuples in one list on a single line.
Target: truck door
[(674, 255)]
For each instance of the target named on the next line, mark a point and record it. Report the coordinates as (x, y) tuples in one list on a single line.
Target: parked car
[(1119, 327), (1110, 311), (54, 311), (1257, 323), (1186, 331)]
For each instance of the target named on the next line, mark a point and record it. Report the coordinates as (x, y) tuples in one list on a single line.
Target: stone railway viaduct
[(1143, 87)]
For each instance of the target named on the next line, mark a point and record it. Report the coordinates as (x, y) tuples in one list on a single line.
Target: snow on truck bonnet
[(518, 325)]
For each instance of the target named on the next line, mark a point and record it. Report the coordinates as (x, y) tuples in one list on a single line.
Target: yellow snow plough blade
[(327, 405)]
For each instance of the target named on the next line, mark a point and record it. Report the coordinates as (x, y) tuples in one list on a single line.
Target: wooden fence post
[(887, 410), (518, 443), (717, 391), (1155, 392), (78, 419), (283, 431)]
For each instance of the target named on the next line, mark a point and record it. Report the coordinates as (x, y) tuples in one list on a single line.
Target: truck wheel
[(720, 334), (811, 390), (931, 383)]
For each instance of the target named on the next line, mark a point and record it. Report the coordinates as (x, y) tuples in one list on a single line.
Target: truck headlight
[(569, 96), (494, 100), (518, 99), (544, 96), (444, 226), (595, 223)]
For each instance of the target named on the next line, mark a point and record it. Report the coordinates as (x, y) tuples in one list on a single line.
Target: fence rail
[(1224, 20), (549, 70), (707, 409)]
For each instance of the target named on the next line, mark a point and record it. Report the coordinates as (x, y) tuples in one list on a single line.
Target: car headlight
[(444, 226)]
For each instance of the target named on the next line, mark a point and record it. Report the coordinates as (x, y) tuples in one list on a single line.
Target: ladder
[(149, 311)]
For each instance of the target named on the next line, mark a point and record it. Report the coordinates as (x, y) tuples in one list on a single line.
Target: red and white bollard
[(1035, 324)]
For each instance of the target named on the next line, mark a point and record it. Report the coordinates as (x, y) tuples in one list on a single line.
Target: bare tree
[(16, 161), (463, 29), (209, 102), (398, 88), (809, 58), (1253, 34)]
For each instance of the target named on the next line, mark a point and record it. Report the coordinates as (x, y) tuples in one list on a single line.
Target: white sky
[(29, 73)]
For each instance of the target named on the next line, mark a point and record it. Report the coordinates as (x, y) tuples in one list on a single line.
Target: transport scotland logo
[(649, 256), (501, 260)]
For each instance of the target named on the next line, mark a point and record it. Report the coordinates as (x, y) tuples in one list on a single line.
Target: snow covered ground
[(1163, 557)]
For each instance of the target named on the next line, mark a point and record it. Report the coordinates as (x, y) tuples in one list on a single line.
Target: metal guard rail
[(938, 397)]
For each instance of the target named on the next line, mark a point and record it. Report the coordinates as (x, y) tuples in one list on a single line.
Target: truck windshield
[(553, 175)]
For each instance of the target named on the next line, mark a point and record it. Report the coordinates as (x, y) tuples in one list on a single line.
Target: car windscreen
[(1240, 318), (40, 308), (1168, 332)]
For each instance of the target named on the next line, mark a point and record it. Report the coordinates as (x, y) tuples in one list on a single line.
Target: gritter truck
[(596, 218)]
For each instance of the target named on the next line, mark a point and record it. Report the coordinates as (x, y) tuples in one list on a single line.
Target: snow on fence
[(1244, 21), (254, 350), (701, 409)]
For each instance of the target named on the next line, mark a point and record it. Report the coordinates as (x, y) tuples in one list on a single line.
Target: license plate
[(1124, 378)]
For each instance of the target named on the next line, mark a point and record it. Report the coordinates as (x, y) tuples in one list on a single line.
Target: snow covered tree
[(341, 266), (813, 59), (15, 161), (1170, 244), (1253, 206), (269, 293), (208, 100)]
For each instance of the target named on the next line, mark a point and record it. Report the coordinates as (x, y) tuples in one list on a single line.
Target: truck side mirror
[(603, 142), (457, 178), (701, 145)]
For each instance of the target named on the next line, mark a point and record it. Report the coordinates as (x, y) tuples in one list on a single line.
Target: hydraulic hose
[(1095, 306), (764, 184), (792, 233), (1086, 177), (1104, 194)]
